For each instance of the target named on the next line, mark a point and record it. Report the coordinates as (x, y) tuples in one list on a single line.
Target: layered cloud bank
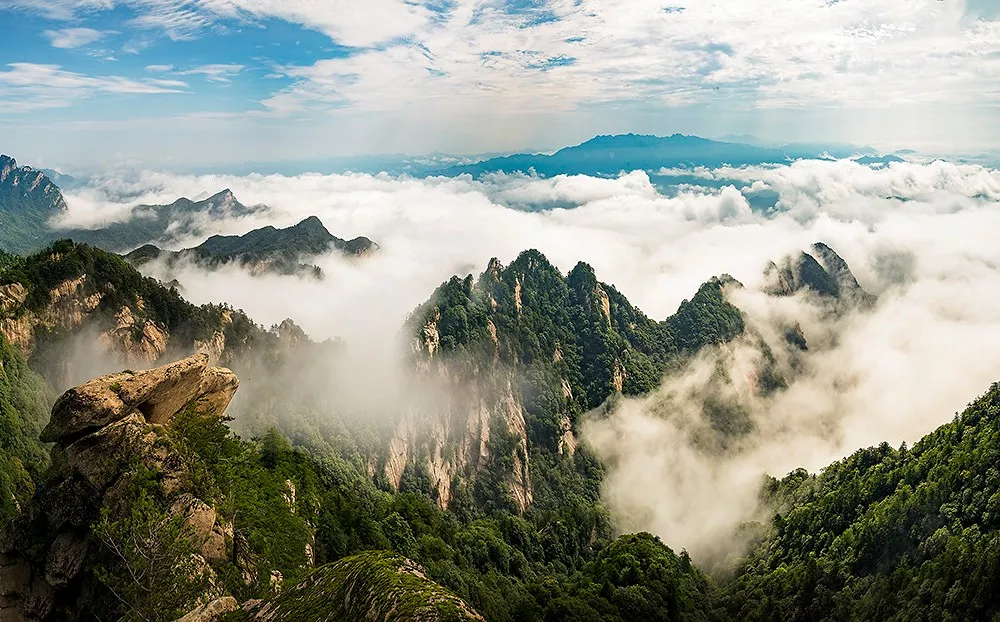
[(920, 236)]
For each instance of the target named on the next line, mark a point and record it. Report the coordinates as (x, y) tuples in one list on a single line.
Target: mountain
[(497, 510), (876, 160), (74, 310), (263, 250), (152, 222), (609, 155), (908, 533), (822, 272), (803, 149), (519, 355), (28, 200)]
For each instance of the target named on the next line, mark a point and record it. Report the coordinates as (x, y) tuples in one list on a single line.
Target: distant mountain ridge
[(611, 154), (263, 250), (151, 222)]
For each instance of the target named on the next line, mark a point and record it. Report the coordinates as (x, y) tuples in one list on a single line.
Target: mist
[(920, 236)]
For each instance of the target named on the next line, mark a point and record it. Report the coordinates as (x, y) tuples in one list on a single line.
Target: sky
[(182, 83)]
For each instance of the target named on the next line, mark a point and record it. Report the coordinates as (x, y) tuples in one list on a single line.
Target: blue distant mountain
[(610, 155)]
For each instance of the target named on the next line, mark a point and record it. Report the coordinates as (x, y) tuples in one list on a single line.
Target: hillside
[(262, 250), (28, 199), (901, 534), (73, 309)]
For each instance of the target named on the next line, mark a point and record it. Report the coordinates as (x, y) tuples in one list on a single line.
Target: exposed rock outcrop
[(74, 305), (155, 394), (211, 611), (374, 586), (822, 272), (102, 429)]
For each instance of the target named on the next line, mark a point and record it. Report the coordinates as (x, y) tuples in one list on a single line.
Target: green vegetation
[(373, 585), (270, 249), (120, 285), (144, 560), (507, 567), (907, 534), (24, 410), (570, 334), (27, 201)]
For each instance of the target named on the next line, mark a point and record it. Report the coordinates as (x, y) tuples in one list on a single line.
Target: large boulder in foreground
[(375, 586), (102, 429), (157, 394)]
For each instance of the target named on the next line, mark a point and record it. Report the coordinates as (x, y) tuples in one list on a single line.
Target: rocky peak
[(26, 189), (822, 272), (155, 394), (101, 428), (7, 164)]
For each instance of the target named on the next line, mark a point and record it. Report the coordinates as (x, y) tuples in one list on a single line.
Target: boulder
[(201, 527), (101, 457), (211, 611), (65, 558), (157, 394)]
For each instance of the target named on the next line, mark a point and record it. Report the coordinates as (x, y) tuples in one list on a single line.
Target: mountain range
[(610, 155), (28, 199), (262, 250), (471, 498), (518, 354)]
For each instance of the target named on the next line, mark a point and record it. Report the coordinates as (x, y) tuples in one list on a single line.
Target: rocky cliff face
[(822, 272), (118, 434), (104, 431), (28, 199), (72, 306), (515, 357), (77, 311)]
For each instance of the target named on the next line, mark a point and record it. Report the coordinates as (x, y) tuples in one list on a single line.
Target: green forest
[(903, 534)]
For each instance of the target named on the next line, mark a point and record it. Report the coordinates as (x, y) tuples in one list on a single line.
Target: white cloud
[(920, 235), (73, 37), (563, 54), (32, 86), (215, 73)]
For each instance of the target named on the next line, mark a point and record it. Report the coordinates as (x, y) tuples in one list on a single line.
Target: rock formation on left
[(106, 432)]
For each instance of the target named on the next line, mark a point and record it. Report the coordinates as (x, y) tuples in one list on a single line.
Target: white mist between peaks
[(921, 236)]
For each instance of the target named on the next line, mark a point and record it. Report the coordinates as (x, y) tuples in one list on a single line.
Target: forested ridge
[(908, 533)]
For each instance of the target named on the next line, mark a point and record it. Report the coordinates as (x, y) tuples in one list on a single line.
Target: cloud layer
[(922, 236), (417, 76)]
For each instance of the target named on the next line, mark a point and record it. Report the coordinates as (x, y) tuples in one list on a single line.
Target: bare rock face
[(211, 611), (101, 429), (158, 394)]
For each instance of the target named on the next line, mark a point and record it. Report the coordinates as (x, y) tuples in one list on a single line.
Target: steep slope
[(77, 310), (102, 498), (28, 199), (889, 534), (518, 355), (24, 405), (151, 222), (822, 272), (262, 250)]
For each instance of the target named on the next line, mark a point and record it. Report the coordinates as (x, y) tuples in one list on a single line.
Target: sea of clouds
[(923, 237)]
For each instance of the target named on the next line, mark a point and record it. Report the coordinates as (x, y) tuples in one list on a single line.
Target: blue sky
[(91, 83)]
